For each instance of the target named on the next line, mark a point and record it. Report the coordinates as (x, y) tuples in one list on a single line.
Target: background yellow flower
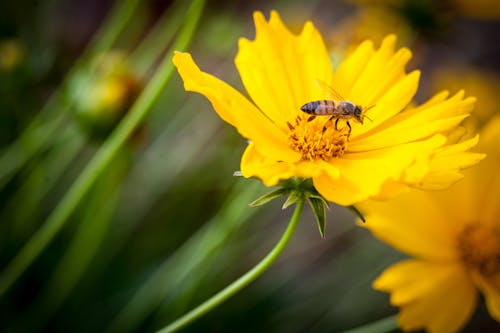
[(454, 236), (280, 72), (483, 84)]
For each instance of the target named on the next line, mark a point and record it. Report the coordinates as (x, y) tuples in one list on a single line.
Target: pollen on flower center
[(480, 248), (317, 139)]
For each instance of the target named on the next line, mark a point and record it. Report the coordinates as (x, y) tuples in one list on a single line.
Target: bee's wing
[(327, 89)]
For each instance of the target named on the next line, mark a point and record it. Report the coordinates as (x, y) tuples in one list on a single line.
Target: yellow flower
[(483, 84), (479, 9), (369, 22), (281, 71), (454, 236)]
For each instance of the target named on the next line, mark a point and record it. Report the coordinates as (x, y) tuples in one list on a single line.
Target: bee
[(337, 109)]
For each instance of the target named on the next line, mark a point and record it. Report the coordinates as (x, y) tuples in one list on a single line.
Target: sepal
[(318, 207), (292, 198), (278, 193), (356, 212)]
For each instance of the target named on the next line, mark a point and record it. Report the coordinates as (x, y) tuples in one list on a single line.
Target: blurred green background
[(166, 225)]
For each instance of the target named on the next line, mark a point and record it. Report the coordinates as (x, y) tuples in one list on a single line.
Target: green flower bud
[(102, 93)]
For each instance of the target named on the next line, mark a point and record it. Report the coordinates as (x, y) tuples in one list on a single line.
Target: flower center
[(317, 139), (480, 248)]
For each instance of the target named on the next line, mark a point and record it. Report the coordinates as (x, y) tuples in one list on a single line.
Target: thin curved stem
[(39, 241), (192, 258), (242, 282)]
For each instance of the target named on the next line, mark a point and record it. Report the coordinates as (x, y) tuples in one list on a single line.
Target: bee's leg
[(311, 118), (324, 126), (336, 123), (350, 129)]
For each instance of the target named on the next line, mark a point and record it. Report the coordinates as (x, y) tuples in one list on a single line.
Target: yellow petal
[(382, 70), (235, 109), (416, 124), (271, 171), (490, 287), (446, 163), (488, 173), (437, 296), (414, 223), (395, 99), (254, 164), (279, 69), (363, 174), (351, 67), (391, 189)]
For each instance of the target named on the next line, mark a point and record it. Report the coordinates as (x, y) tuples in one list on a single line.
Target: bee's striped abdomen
[(319, 108)]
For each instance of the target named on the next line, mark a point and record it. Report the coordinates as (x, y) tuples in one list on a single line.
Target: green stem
[(192, 258), (112, 27), (40, 133), (242, 282), (102, 158), (160, 36), (384, 325)]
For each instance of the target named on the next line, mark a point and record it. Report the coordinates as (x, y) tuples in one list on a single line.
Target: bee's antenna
[(368, 108)]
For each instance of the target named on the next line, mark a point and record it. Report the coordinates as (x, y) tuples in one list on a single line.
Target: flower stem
[(384, 325), (193, 258), (242, 282), (39, 241), (40, 133)]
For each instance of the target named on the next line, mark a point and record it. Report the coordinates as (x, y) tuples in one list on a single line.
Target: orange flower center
[(317, 139), (480, 248)]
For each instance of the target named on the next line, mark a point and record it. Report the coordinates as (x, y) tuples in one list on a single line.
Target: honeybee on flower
[(400, 148), (337, 109)]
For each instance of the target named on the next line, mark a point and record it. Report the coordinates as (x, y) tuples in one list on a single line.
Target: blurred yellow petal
[(437, 296), (488, 173), (491, 291), (414, 224), (454, 235), (483, 84), (478, 9), (444, 166)]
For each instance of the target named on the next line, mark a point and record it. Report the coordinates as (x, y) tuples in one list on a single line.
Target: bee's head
[(358, 114)]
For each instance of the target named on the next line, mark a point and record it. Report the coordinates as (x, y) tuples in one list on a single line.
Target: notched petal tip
[(180, 57), (186, 67), (380, 284), (259, 20), (470, 100), (389, 42), (415, 75), (367, 45), (275, 17)]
